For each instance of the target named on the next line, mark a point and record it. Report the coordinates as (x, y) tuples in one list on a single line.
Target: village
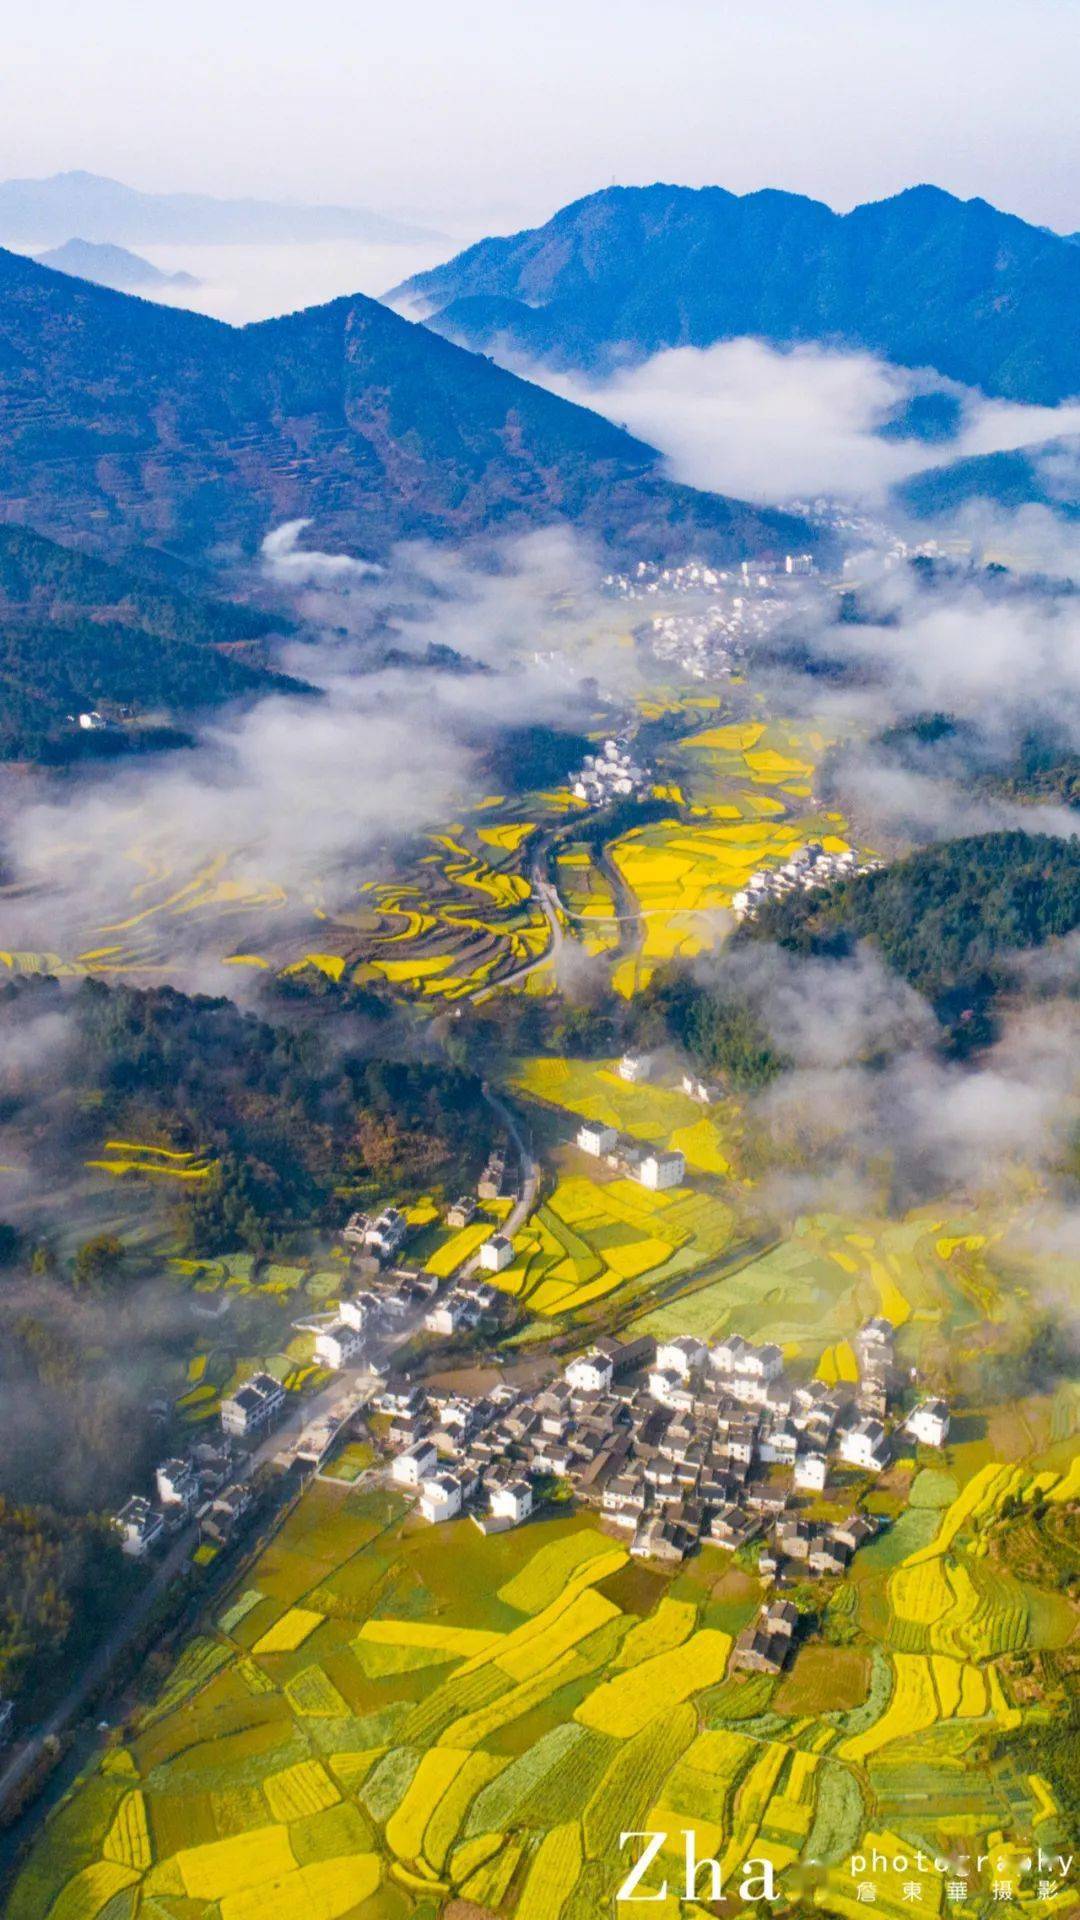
[(811, 866), (727, 609), (677, 1445)]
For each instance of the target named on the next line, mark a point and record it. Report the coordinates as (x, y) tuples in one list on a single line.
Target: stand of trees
[(947, 918)]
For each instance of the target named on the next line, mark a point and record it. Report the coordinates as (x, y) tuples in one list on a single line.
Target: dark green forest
[(947, 918)]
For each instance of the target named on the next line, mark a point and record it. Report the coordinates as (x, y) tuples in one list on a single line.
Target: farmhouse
[(492, 1182), (177, 1485), (414, 1464), (254, 1406), (764, 1646), (865, 1445), (462, 1212), (929, 1424), (596, 1138), (684, 1355), (385, 1233), (496, 1253), (590, 1373), (662, 1169), (635, 1067), (811, 1473), (226, 1513), (140, 1526), (441, 1497), (337, 1345), (511, 1500)]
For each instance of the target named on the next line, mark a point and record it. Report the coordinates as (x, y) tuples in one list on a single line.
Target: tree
[(98, 1260)]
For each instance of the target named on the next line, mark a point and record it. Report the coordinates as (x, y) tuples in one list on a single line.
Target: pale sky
[(488, 114)]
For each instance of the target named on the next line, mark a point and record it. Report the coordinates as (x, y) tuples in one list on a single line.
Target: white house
[(595, 1138), (635, 1067), (811, 1473), (590, 1373), (496, 1253), (670, 1389), (337, 1345), (140, 1526), (684, 1356), (447, 1315), (512, 1502), (700, 1090), (254, 1405), (727, 1355), (352, 1312), (440, 1497), (865, 1446), (384, 1235), (177, 1483), (414, 1464), (664, 1169), (929, 1424)]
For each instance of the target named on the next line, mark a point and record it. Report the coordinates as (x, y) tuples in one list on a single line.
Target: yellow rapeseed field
[(322, 1891), (223, 1867), (300, 1790), (289, 1632), (912, 1708), (627, 1702)]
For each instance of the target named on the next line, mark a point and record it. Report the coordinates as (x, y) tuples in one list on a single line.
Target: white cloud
[(753, 420)]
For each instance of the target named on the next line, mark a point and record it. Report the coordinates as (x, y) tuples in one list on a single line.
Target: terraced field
[(387, 1717), (746, 789)]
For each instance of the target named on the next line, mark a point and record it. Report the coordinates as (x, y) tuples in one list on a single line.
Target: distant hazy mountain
[(45, 212), (1047, 475), (924, 279), (110, 266), (124, 421)]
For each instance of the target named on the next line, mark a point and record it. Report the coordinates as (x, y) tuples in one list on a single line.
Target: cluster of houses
[(202, 1484), (729, 610), (677, 1445), (648, 577), (810, 867), (653, 1167), (610, 774), (379, 1236)]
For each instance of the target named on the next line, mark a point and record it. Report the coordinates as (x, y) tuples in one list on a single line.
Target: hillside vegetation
[(78, 633), (946, 918), (123, 421)]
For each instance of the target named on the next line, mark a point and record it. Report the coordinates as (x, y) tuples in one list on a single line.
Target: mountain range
[(923, 278), (123, 421), (42, 213), (109, 266)]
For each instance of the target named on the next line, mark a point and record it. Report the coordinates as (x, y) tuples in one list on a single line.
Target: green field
[(385, 1717)]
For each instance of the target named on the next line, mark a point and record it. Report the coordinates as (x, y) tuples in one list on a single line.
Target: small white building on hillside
[(662, 1169), (596, 1138), (811, 1473), (337, 1345), (929, 1424), (496, 1253)]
